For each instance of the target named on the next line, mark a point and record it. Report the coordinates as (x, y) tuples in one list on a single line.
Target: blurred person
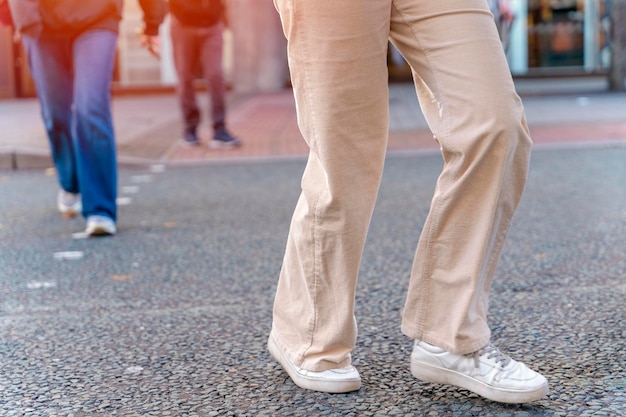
[(71, 45), (5, 14), (504, 16), (197, 40), (337, 53)]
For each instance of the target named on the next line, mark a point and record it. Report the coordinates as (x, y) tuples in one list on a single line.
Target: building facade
[(555, 37), (255, 57), (545, 38)]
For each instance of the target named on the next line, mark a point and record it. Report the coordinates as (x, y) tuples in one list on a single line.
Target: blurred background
[(542, 38)]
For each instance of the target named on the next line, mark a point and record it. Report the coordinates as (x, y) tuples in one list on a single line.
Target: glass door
[(555, 33)]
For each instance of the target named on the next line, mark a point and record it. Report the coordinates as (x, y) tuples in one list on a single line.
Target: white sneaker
[(333, 380), (69, 204), (487, 372), (100, 226)]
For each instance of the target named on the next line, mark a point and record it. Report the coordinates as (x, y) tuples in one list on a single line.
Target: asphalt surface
[(171, 316)]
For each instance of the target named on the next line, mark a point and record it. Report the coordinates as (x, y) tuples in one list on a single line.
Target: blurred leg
[(211, 56), (468, 97), (186, 49), (94, 57), (50, 63)]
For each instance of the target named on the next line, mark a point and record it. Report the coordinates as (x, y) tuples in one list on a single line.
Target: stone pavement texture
[(171, 316)]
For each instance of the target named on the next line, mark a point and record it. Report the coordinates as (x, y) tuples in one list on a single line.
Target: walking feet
[(190, 138), (223, 139), (487, 372), (333, 380), (100, 226), (70, 205)]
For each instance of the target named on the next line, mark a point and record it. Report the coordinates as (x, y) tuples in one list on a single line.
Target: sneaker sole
[(222, 145), (429, 373), (100, 231), (306, 382)]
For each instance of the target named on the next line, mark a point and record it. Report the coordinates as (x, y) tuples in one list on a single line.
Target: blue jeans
[(73, 79), (193, 47)]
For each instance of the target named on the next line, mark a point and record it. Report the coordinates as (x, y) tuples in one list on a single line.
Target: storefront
[(549, 38)]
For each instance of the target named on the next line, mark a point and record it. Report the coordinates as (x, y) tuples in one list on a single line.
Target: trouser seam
[(424, 283), (314, 151)]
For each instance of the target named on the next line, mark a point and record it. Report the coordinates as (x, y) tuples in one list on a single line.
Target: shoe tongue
[(493, 352)]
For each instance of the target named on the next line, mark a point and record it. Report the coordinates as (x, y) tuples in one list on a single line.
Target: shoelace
[(492, 352)]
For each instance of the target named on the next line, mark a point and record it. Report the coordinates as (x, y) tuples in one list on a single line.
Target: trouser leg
[(469, 100), (94, 57), (186, 53), (50, 63), (337, 56), (211, 56)]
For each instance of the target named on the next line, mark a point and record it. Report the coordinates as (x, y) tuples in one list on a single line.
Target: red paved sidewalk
[(268, 128), (148, 127)]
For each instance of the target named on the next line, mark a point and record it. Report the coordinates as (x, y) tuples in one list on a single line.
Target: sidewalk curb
[(26, 159), (14, 159)]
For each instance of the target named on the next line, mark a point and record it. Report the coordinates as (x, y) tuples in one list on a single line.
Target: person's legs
[(186, 53), (337, 56), (94, 57), (50, 63)]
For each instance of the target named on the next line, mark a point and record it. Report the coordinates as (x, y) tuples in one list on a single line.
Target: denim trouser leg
[(94, 57), (85, 62), (50, 63), (337, 55)]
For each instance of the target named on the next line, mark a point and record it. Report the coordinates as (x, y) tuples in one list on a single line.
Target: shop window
[(555, 33)]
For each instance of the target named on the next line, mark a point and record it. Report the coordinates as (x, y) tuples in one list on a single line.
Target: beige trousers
[(337, 53)]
